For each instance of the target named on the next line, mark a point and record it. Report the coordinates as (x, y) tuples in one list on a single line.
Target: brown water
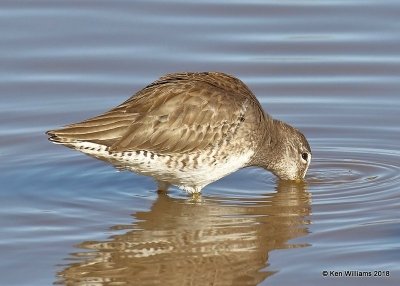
[(330, 68)]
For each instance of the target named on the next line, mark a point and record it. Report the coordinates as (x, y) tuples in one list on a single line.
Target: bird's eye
[(304, 156)]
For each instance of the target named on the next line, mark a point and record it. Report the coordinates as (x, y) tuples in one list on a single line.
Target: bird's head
[(285, 152)]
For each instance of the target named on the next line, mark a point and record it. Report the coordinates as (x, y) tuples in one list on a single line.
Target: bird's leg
[(196, 197), (195, 192), (162, 186)]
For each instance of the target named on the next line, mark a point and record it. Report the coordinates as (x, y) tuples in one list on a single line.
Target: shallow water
[(330, 68)]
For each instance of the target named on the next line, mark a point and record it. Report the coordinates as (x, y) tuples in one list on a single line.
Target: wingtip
[(50, 133), (53, 137)]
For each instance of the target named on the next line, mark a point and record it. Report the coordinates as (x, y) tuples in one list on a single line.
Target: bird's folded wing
[(177, 113), (182, 118)]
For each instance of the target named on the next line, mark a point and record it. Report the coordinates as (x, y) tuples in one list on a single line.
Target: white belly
[(190, 172)]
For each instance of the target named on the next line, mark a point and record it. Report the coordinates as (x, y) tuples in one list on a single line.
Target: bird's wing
[(177, 113), (104, 129)]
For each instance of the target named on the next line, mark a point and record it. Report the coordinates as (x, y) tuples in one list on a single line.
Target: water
[(330, 68)]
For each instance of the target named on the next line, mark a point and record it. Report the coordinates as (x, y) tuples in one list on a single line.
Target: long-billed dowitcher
[(188, 130)]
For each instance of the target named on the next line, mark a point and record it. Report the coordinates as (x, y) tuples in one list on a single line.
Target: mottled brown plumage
[(191, 119)]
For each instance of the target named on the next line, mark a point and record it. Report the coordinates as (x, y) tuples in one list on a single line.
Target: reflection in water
[(213, 242)]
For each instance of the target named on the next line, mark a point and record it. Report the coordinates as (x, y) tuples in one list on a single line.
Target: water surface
[(330, 68)]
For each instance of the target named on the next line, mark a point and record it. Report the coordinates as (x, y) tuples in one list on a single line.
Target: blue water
[(329, 68)]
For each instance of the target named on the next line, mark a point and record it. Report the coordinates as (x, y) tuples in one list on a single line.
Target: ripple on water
[(354, 174), (352, 187)]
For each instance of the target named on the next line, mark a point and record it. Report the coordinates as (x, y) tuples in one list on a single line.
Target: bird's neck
[(271, 145)]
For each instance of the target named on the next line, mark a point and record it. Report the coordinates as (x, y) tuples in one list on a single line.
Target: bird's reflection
[(213, 242)]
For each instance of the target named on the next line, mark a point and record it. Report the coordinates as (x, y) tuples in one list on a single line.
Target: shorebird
[(189, 130)]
